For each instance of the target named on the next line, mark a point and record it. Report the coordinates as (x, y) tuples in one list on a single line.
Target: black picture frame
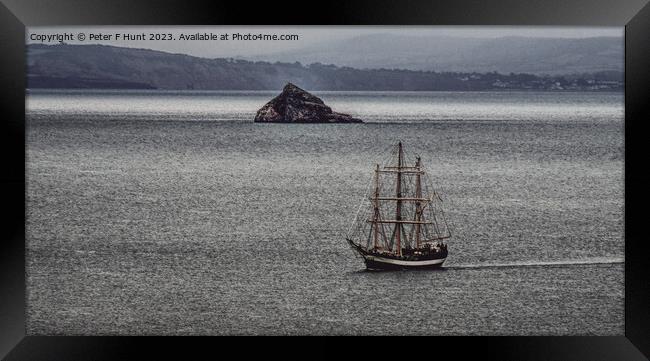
[(16, 14)]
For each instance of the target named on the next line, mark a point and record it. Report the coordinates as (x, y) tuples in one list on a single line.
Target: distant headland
[(111, 67)]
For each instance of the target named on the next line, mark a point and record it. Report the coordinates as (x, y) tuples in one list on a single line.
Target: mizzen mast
[(418, 208)]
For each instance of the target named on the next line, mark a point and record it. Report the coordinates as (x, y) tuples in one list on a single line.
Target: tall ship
[(400, 223)]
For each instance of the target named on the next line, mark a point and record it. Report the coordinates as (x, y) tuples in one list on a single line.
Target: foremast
[(376, 208)]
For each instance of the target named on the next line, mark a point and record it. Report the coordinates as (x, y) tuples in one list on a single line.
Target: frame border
[(16, 14)]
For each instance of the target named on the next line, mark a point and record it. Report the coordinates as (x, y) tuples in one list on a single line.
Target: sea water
[(162, 212)]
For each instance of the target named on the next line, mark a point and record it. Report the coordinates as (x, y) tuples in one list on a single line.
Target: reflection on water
[(145, 215)]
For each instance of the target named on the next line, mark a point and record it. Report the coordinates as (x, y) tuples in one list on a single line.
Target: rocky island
[(295, 105)]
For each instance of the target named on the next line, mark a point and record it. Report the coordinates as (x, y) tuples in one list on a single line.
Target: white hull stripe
[(428, 262)]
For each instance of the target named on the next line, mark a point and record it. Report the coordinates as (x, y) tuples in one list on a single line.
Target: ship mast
[(418, 209), (398, 210), (376, 216)]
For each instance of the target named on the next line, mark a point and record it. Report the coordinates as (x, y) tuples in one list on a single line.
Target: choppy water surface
[(172, 213)]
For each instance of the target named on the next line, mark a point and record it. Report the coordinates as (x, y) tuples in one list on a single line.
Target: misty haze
[(377, 60)]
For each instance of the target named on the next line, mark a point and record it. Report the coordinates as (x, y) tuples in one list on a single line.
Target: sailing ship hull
[(377, 263)]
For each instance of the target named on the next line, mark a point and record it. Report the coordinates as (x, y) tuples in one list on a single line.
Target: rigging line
[(407, 242), (369, 237), (383, 233), (387, 159), (435, 229), (442, 212), (356, 218), (435, 222), (392, 240), (445, 220), (450, 227)]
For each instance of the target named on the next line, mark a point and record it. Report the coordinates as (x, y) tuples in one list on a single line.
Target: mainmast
[(398, 210), (418, 209)]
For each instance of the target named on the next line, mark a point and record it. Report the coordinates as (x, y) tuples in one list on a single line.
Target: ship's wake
[(578, 262)]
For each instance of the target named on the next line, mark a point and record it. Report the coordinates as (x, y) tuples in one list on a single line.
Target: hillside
[(445, 53), (99, 66)]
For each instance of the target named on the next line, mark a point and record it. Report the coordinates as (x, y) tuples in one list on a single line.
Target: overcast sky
[(308, 35)]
